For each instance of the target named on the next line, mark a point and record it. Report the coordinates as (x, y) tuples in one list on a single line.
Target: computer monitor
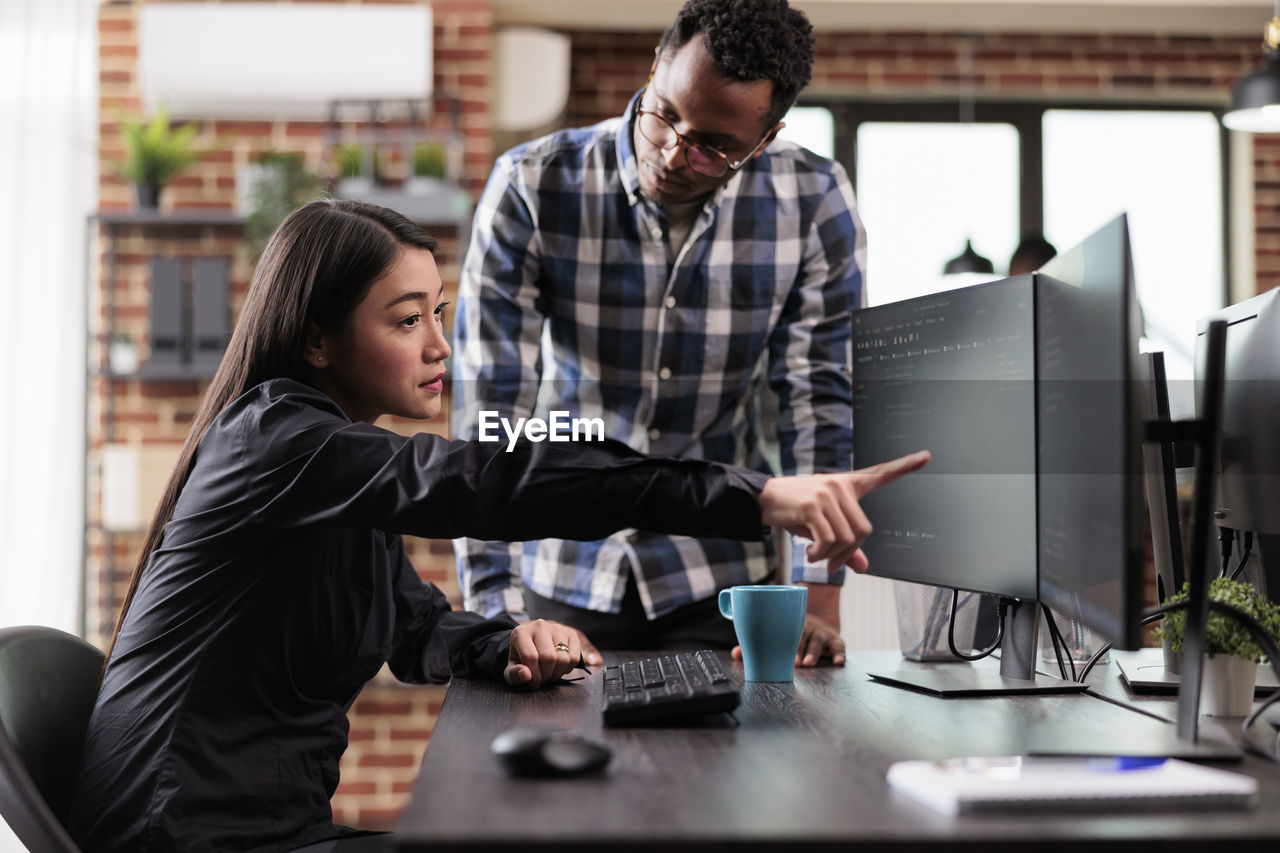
[(1246, 494), (1246, 473), (1090, 515), (1029, 392), (954, 372), (1033, 397), (1035, 490)]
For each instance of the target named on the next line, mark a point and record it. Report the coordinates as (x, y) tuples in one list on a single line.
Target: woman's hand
[(541, 651), (824, 508)]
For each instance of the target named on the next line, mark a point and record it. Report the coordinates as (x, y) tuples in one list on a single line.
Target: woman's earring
[(320, 358)]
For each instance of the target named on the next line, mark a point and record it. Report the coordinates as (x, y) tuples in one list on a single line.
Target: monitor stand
[(1016, 674), (1142, 736), (1144, 672)]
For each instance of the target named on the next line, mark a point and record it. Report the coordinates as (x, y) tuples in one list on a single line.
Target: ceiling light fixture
[(1255, 97), (968, 261)]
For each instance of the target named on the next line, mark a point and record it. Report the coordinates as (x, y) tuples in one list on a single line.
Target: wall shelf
[(386, 133), (183, 298)]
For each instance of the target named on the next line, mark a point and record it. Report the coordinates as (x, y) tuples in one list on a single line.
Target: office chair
[(48, 684)]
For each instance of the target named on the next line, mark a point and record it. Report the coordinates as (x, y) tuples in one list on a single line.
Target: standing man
[(663, 272)]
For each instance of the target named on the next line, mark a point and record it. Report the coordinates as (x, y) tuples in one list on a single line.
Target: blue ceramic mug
[(768, 621)]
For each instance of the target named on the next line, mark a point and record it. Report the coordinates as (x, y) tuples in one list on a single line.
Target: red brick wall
[(1266, 210), (390, 725)]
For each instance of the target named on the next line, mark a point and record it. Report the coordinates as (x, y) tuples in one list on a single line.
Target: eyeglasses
[(703, 159)]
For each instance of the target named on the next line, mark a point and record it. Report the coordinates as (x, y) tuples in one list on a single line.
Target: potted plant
[(358, 170), (429, 167), (277, 185), (1231, 667), (154, 153), (122, 355)]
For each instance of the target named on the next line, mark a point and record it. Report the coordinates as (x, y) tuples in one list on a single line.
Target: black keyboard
[(665, 687)]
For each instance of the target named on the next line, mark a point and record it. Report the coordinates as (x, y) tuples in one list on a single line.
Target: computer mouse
[(549, 751)]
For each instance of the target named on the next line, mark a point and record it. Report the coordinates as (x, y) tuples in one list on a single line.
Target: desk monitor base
[(1143, 738), (957, 680), (1143, 672)]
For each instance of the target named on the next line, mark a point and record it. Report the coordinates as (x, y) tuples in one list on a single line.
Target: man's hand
[(824, 508), (541, 651), (821, 635)]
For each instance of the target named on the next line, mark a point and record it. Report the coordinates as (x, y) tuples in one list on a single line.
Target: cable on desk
[(1055, 637), (951, 630), (1154, 616), (1065, 647), (1137, 709)]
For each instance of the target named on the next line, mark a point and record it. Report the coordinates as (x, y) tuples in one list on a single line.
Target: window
[(924, 182), (923, 190), (1165, 169), (812, 127)]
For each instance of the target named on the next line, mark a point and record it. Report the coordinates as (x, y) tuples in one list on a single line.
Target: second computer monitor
[(1090, 400), (1247, 481), (1246, 487)]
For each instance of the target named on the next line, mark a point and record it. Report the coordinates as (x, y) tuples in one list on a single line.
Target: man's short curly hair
[(750, 40)]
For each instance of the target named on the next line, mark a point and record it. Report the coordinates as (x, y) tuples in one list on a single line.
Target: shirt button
[(664, 373), (655, 232), (671, 302), (655, 434)]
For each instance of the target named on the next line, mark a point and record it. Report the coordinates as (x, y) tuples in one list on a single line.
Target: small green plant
[(350, 162), (283, 185), (1223, 634), (429, 160), (153, 151)]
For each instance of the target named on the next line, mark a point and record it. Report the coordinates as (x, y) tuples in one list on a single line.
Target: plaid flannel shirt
[(570, 300)]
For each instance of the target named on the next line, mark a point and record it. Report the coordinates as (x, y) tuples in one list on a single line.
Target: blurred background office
[(964, 125)]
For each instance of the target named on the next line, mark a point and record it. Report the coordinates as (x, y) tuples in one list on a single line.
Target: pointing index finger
[(887, 472)]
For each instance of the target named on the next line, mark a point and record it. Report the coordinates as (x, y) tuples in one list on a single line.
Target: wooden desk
[(805, 766)]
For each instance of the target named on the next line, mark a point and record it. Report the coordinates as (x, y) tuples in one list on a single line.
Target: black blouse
[(281, 587)]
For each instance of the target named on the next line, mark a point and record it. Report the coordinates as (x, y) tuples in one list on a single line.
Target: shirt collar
[(628, 167)]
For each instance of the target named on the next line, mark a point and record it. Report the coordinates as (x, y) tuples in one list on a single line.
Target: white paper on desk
[(965, 785)]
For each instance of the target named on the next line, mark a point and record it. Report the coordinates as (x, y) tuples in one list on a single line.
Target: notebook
[(990, 785)]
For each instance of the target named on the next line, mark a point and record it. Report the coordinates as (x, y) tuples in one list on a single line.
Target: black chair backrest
[(48, 684)]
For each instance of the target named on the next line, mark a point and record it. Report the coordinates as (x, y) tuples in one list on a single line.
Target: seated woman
[(273, 584)]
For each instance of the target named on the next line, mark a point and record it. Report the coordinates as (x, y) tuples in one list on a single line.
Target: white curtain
[(48, 186)]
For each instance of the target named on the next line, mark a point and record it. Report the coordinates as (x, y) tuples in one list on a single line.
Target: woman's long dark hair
[(316, 268)]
